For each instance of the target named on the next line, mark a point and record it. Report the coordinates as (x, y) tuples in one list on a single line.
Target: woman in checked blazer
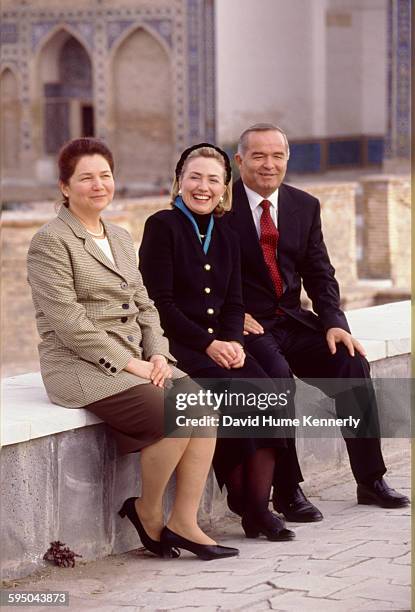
[(102, 347)]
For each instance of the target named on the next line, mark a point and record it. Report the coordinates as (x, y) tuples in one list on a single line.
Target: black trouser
[(291, 348)]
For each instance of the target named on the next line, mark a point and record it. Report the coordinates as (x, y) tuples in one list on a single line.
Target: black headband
[(201, 145)]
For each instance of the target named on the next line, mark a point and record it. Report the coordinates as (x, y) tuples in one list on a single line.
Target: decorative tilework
[(209, 64), (163, 27), (305, 157), (83, 28), (193, 70), (375, 148), (399, 79), (186, 27), (8, 33), (116, 28)]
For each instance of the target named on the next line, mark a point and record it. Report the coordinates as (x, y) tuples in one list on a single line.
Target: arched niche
[(66, 91), (10, 117), (142, 134)]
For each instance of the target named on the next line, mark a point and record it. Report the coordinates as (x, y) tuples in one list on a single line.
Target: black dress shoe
[(171, 541), (380, 494), (128, 509), (294, 505), (268, 525)]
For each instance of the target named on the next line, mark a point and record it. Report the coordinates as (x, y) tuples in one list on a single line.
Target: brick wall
[(386, 248), (338, 218), (387, 229), (19, 338)]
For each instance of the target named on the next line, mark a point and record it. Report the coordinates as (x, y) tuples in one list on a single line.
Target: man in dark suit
[(282, 247)]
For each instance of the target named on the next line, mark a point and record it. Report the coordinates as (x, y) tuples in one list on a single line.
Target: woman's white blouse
[(104, 245)]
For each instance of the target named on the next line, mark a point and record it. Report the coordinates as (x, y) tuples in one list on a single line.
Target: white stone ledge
[(27, 413), (383, 330)]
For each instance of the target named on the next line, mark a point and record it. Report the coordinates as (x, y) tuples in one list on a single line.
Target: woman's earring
[(221, 199), (179, 192)]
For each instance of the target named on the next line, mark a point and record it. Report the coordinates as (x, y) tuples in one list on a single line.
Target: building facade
[(334, 74), (135, 73)]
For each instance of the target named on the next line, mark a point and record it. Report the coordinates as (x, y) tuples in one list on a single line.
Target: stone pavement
[(357, 558)]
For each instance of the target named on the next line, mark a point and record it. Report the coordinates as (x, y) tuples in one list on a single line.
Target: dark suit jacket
[(302, 256), (176, 273)]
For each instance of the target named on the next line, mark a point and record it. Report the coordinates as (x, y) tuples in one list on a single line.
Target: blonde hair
[(207, 152)]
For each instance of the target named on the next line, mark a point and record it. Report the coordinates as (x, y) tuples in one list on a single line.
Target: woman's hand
[(239, 360), (222, 353), (140, 368), (161, 370), (156, 370)]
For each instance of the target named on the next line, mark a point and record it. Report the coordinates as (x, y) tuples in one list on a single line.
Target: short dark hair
[(72, 151), (260, 127)]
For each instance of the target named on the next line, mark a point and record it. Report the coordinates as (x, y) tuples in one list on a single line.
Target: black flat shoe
[(128, 508), (170, 540), (294, 505), (268, 525), (380, 494)]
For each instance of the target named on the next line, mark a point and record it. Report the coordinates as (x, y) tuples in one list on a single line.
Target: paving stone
[(343, 492), (380, 550), (377, 532), (372, 568), (377, 588), (403, 560), (212, 581), (318, 549), (313, 567), (346, 562), (194, 599), (321, 587), (333, 508), (244, 567), (294, 601)]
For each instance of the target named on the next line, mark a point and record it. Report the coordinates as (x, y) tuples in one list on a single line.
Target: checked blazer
[(92, 315)]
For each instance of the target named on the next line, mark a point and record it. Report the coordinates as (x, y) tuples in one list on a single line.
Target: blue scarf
[(178, 202)]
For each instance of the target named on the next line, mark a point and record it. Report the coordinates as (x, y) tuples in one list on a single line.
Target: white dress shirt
[(104, 245), (255, 200)]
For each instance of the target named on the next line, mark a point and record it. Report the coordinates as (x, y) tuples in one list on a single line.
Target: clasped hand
[(156, 369), (226, 354)]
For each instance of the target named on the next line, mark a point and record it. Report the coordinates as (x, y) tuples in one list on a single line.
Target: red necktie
[(269, 242)]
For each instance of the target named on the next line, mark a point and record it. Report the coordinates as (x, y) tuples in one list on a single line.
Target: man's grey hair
[(260, 127)]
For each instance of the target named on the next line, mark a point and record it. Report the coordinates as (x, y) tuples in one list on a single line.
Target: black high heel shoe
[(170, 540), (128, 508), (268, 525)]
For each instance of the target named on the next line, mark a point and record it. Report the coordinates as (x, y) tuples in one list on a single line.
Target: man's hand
[(161, 370), (251, 326), (334, 335), (222, 353), (239, 360)]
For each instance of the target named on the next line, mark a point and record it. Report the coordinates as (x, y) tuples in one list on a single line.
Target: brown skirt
[(137, 417)]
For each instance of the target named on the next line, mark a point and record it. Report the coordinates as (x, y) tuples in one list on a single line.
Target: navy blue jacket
[(177, 273)]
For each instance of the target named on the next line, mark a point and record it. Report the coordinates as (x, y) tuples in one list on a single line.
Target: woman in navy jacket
[(190, 262)]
